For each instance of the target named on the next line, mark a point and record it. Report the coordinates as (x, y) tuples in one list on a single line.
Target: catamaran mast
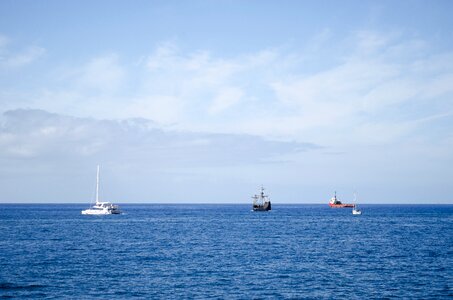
[(97, 186)]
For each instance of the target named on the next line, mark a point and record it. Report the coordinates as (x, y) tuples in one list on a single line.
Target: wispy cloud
[(39, 134), (10, 58), (367, 89), (24, 58), (274, 92), (274, 115), (144, 158), (103, 73), (226, 98), (4, 41)]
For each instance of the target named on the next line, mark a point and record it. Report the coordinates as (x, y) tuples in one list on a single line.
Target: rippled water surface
[(226, 252)]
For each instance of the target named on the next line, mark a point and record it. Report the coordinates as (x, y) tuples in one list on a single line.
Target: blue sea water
[(227, 252)]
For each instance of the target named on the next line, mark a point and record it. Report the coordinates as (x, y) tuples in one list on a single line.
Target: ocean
[(226, 252)]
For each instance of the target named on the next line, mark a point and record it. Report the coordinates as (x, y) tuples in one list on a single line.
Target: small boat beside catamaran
[(355, 208), (101, 208)]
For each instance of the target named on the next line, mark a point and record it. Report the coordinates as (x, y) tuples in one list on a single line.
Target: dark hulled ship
[(261, 202)]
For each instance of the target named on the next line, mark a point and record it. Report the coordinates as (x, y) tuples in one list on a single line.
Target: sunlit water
[(226, 252)]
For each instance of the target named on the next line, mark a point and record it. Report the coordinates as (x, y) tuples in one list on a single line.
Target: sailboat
[(261, 202), (355, 208), (101, 208)]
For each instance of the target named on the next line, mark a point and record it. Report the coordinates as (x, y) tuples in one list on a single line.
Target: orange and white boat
[(334, 202)]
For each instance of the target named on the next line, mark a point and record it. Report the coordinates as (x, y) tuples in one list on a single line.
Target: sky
[(207, 101)]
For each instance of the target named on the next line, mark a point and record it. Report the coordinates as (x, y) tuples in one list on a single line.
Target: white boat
[(355, 208), (101, 208)]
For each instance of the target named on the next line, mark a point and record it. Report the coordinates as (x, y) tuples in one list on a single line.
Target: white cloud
[(273, 92), (17, 58), (369, 42), (37, 133), (102, 73), (20, 59), (226, 98), (438, 86), (164, 109), (4, 41), (143, 158), (367, 92)]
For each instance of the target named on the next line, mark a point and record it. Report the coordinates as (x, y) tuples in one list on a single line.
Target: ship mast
[(97, 185)]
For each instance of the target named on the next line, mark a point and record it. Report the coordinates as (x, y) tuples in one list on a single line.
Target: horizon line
[(213, 203)]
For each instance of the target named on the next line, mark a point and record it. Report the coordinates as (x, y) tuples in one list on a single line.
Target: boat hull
[(99, 212), (340, 205), (266, 207)]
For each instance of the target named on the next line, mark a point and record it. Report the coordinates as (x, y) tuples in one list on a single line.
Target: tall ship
[(261, 202), (334, 202), (101, 208)]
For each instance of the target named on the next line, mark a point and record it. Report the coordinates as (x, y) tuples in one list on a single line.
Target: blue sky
[(205, 101)]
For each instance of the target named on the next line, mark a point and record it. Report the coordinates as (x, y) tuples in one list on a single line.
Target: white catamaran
[(101, 208)]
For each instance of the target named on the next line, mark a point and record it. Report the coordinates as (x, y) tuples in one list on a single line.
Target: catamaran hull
[(99, 212)]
